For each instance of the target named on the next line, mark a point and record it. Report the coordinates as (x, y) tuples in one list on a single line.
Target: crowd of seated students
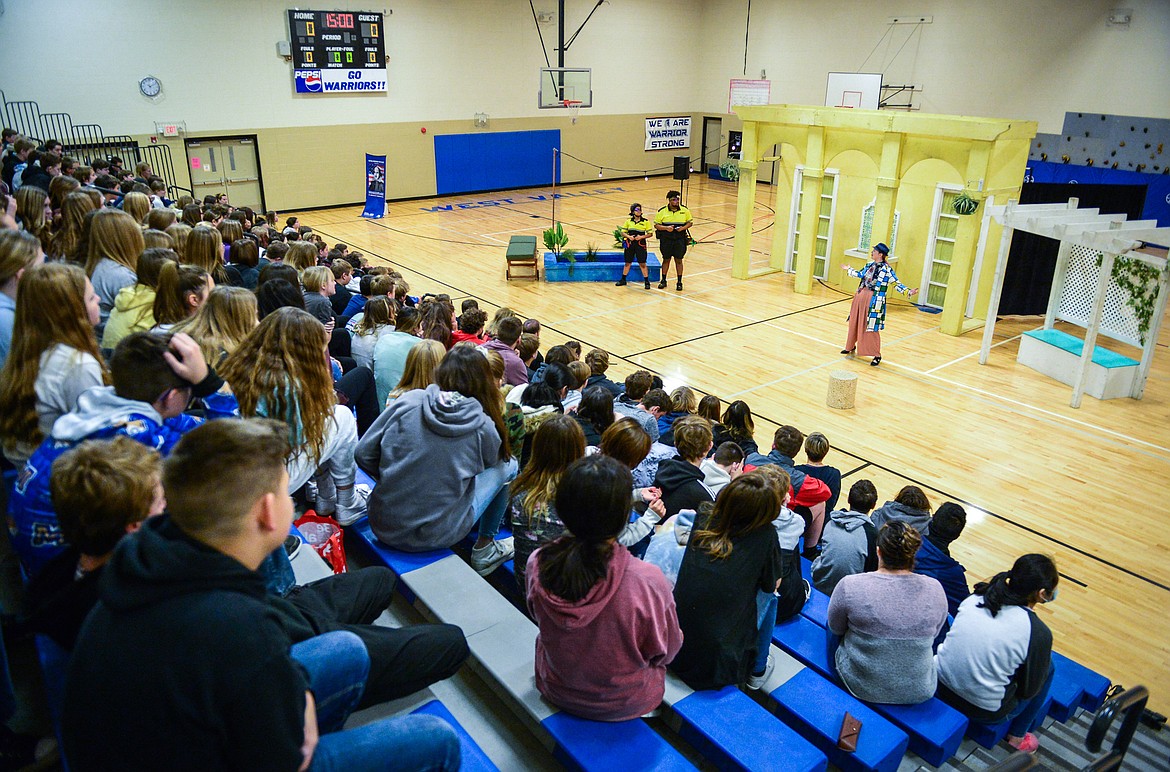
[(192, 337)]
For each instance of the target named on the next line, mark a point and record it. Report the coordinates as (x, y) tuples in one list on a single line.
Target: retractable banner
[(375, 186)]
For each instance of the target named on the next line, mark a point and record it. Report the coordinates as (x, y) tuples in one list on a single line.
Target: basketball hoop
[(573, 106)]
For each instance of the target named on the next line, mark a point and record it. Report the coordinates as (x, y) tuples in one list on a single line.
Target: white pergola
[(1113, 235)]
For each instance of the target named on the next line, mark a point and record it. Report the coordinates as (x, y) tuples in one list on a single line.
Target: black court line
[(788, 313), (951, 496), (855, 471), (672, 345)]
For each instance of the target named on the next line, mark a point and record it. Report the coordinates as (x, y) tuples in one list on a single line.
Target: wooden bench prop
[(522, 254)]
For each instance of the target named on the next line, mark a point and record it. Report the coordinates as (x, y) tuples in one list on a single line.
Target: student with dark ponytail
[(887, 620), (608, 626), (996, 661)]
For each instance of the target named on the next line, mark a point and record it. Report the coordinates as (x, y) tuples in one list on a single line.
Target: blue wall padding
[(1157, 185), (495, 160)]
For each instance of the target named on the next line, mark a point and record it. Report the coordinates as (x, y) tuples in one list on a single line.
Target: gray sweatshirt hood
[(100, 408), (849, 519), (449, 413)]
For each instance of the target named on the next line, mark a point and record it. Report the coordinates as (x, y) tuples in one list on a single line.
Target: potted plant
[(555, 240)]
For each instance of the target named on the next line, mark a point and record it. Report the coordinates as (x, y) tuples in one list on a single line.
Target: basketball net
[(574, 107)]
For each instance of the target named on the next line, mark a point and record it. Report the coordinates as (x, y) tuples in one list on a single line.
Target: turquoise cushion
[(1074, 345)]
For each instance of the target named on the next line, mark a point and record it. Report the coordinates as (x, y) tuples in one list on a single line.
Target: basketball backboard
[(859, 90), (561, 86)]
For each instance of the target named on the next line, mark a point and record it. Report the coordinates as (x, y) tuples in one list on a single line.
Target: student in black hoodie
[(183, 664), (681, 479)]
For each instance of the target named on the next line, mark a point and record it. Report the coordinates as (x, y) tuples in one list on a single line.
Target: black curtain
[(1032, 259)]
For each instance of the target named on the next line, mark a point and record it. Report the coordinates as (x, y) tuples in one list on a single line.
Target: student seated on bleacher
[(183, 663), (849, 543), (608, 626), (887, 620), (721, 468), (146, 403), (816, 447), (996, 662), (934, 556), (808, 493), (789, 527), (598, 361), (101, 491), (910, 506), (681, 479), (443, 461), (594, 412), (732, 557), (683, 402), (507, 335), (629, 403), (737, 426)]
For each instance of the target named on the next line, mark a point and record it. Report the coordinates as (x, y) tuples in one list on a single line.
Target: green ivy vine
[(1139, 281)]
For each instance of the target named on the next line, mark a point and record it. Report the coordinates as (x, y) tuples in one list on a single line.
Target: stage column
[(810, 208), (745, 202), (888, 177)]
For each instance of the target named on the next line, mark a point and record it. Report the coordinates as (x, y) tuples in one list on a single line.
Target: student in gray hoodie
[(910, 506), (849, 544)]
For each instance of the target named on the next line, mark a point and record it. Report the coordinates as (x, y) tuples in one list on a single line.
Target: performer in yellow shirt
[(673, 223), (634, 234)]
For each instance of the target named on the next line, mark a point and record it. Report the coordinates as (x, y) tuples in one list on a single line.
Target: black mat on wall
[(1032, 259)]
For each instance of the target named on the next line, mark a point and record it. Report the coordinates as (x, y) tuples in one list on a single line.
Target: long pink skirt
[(869, 344)]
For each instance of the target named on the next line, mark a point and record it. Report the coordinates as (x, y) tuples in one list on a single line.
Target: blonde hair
[(230, 230), (421, 363), (684, 400), (50, 309), (314, 279), (301, 255), (378, 312), (280, 371), (580, 372), (502, 313), (137, 205), (113, 235), (30, 207), (18, 250), (222, 323), (152, 238), (204, 249), (179, 233)]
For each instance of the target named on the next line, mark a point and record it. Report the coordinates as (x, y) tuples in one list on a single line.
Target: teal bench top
[(1074, 345)]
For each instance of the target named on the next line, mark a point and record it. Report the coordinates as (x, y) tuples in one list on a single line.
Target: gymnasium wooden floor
[(1087, 486)]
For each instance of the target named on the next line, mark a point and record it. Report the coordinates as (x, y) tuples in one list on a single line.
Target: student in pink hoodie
[(607, 620)]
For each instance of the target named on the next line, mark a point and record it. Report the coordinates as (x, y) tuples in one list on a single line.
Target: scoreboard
[(337, 51)]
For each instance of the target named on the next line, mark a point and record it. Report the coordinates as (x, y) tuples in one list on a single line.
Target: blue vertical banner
[(375, 186)]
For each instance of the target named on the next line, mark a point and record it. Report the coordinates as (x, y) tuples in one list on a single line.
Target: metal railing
[(86, 141), (1130, 705)]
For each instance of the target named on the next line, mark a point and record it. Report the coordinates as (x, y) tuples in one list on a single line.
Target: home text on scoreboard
[(337, 52)]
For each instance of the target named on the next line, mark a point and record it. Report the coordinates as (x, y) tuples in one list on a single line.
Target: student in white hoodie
[(723, 467)]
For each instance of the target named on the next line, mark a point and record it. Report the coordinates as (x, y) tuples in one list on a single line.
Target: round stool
[(842, 389)]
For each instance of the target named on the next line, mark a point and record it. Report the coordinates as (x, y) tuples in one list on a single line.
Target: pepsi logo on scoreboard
[(339, 81)]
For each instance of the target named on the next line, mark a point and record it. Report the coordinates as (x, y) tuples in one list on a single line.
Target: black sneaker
[(620, 282), (647, 284), (662, 284), (678, 287)]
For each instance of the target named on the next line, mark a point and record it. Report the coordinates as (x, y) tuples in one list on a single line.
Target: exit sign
[(170, 129)]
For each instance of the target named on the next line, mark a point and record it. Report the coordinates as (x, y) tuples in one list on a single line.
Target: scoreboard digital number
[(337, 52)]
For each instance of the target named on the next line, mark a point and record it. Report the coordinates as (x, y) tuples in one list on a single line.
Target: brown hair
[(788, 440), (176, 283), (18, 251), (508, 329), (50, 309), (153, 239), (598, 361), (160, 219), (466, 371), (625, 441), (208, 503), (748, 503), (179, 233), (137, 205), (638, 383), (204, 249), (816, 447), (341, 268), (30, 208), (100, 488), (378, 311), (222, 323), (558, 442), (692, 437), (913, 496), (419, 371), (898, 544), (67, 239), (580, 372), (528, 346)]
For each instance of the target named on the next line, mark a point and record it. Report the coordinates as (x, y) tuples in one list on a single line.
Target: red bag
[(325, 537)]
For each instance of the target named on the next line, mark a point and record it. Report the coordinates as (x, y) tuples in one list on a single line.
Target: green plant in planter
[(1139, 281), (555, 239), (619, 239), (964, 204), (729, 170), (591, 252)]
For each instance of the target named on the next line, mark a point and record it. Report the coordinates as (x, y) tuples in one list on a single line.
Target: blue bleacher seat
[(815, 707), (399, 562), (474, 759), (732, 731), (1094, 686), (582, 744), (935, 729), (816, 609)]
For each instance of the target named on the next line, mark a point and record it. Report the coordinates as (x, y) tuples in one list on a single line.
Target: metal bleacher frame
[(86, 141)]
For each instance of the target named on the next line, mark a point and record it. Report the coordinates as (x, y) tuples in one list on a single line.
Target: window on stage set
[(865, 239), (940, 246)]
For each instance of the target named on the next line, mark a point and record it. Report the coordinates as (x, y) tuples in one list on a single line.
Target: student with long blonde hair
[(222, 323), (137, 205), (54, 356), (67, 238), (19, 251), (34, 213), (204, 249), (282, 371), (301, 255), (179, 233), (114, 244), (421, 363), (134, 306), (181, 290)]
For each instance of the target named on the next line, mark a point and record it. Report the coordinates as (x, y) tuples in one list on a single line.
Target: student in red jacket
[(608, 626)]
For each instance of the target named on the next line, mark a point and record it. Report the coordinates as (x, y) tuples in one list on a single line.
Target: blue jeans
[(766, 603), (491, 496), (338, 665), (1026, 716), (408, 742)]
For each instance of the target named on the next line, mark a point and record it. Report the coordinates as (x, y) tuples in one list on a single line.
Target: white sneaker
[(348, 515), (756, 682), (487, 559)]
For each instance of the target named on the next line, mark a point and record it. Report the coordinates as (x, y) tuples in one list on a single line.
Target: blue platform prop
[(608, 267)]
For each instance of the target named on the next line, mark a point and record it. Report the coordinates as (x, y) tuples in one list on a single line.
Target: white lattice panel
[(1076, 299)]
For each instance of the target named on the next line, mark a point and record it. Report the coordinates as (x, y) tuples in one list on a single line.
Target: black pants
[(403, 660)]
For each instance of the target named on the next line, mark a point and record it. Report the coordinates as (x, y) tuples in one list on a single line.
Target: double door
[(226, 165)]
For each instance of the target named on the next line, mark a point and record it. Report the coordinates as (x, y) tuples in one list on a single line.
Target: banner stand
[(375, 186)]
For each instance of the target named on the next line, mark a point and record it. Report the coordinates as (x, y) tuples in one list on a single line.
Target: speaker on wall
[(682, 167)]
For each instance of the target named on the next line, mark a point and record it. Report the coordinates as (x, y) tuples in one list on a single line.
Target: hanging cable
[(875, 47), (746, 32), (536, 21)]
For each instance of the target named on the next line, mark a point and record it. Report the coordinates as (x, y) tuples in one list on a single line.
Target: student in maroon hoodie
[(607, 620)]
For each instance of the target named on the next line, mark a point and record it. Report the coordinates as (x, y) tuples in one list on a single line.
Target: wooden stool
[(842, 389)]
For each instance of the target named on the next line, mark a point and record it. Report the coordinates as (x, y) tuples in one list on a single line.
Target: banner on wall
[(668, 133), (375, 186)]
